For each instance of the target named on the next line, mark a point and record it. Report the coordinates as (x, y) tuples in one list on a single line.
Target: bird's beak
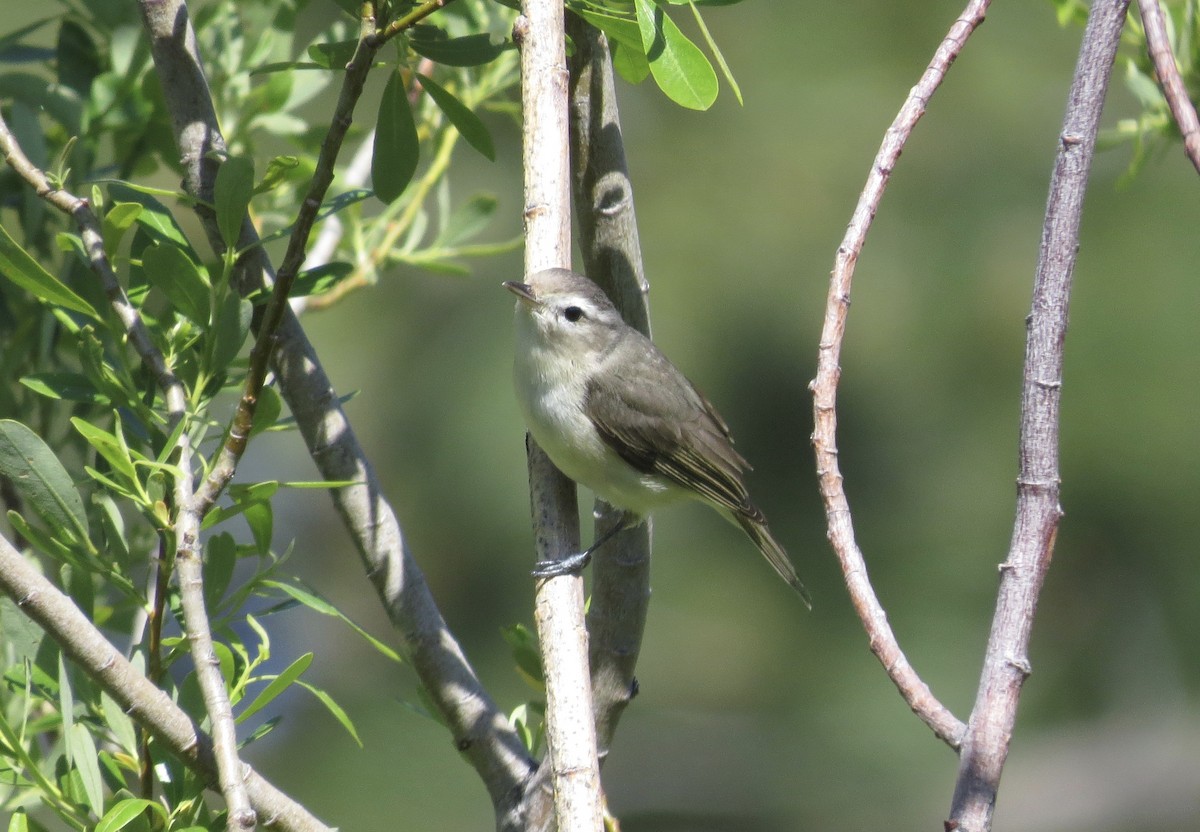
[(522, 290)]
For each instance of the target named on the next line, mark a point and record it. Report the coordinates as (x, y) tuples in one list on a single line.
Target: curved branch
[(824, 389), (1175, 91), (1006, 663)]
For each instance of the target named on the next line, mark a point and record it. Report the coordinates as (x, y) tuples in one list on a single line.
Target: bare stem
[(1006, 663), (882, 640), (559, 612), (1173, 87)]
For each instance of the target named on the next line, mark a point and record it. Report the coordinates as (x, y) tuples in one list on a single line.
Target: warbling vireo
[(615, 415)]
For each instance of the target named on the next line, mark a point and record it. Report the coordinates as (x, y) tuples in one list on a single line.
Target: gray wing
[(655, 420)]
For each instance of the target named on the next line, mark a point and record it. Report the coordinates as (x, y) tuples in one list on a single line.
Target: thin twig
[(87, 647), (882, 640), (559, 602), (478, 727), (1006, 663), (1159, 46), (187, 521)]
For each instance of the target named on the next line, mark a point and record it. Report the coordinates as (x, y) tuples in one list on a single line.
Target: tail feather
[(756, 528)]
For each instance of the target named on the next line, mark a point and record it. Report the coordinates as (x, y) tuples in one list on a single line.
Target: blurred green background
[(755, 716)]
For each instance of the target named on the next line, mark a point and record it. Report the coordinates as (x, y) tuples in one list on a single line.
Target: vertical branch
[(607, 224), (1006, 664), (882, 640), (559, 612)]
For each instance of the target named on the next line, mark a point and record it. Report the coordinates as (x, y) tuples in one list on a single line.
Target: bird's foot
[(570, 565)]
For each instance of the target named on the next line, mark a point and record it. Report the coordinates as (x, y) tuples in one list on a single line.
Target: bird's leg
[(574, 564)]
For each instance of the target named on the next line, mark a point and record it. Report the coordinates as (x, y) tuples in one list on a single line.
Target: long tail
[(755, 525)]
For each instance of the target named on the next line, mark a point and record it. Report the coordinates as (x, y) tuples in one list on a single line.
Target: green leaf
[(110, 446), (169, 269), (333, 55), (318, 604), (526, 653), (278, 170), (120, 724), (277, 686), (41, 479), (19, 822), (622, 30), (119, 219), (465, 121), (72, 387), (230, 331), (261, 519), (468, 220), (126, 812), (396, 144), (155, 217), (712, 47), (243, 496), (630, 62), (220, 557), (21, 633), (83, 756), (335, 709), (22, 269), (226, 662), (270, 405), (472, 50), (317, 281), (231, 196), (678, 66)]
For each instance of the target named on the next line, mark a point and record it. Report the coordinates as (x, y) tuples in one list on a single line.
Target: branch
[(603, 196), (559, 611), (824, 389), (79, 639), (187, 521), (1006, 663), (1159, 46), (479, 729)]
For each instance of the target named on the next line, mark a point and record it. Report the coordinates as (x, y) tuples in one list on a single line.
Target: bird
[(614, 414)]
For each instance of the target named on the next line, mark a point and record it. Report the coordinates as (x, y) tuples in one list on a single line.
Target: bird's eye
[(572, 313)]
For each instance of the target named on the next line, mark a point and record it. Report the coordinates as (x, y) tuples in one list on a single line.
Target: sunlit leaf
[(276, 686), (465, 121), (231, 196), (43, 483), (22, 269), (678, 66)]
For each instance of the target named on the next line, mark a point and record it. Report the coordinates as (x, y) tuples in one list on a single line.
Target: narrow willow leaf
[(335, 709), (321, 279), (72, 387), (85, 762), (231, 196), (678, 66), (396, 145), (22, 269), (220, 557), (712, 47), (108, 446), (173, 272), (270, 405), (465, 121), (126, 812), (230, 331), (119, 219), (155, 217), (277, 686), (322, 606), (472, 50), (333, 55), (120, 724), (41, 479), (278, 170)]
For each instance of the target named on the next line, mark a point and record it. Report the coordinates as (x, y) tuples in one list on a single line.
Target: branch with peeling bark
[(882, 640)]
